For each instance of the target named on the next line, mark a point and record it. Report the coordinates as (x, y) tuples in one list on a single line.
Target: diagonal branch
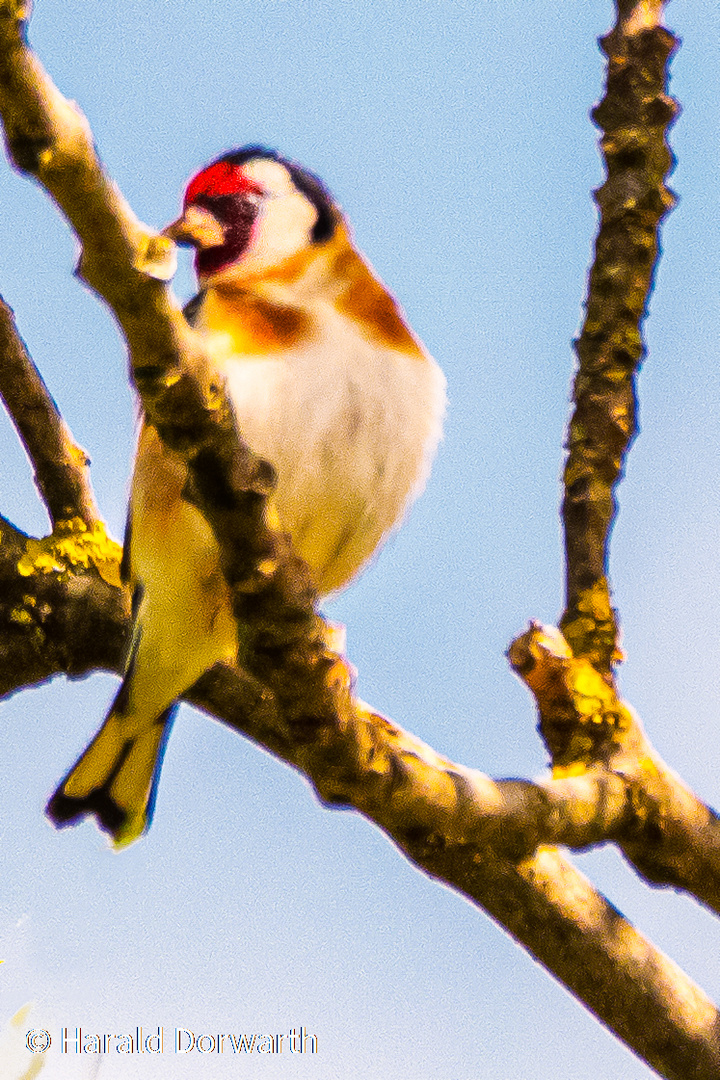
[(483, 837), (61, 466), (129, 266), (634, 117)]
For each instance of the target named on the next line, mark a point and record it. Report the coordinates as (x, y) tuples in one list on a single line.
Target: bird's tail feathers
[(115, 779)]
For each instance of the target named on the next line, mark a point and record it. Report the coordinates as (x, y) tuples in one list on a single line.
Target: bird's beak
[(196, 228)]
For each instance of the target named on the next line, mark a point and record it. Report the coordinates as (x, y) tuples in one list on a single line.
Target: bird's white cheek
[(286, 224)]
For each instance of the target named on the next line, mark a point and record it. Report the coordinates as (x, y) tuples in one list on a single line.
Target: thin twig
[(61, 466)]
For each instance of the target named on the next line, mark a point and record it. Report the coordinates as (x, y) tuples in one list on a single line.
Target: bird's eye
[(227, 208)]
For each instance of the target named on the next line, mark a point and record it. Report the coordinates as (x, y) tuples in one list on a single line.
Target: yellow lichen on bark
[(582, 718), (72, 546)]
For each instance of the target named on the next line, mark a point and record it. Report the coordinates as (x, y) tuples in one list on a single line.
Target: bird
[(328, 384)]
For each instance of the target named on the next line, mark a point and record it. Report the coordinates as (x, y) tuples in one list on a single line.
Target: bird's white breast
[(351, 427)]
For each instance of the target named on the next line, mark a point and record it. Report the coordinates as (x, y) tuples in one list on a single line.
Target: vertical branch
[(634, 117)]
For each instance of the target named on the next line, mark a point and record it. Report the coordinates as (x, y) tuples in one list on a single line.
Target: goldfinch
[(328, 384)]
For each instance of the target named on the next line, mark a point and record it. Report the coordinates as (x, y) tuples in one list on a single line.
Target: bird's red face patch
[(232, 198), (222, 178)]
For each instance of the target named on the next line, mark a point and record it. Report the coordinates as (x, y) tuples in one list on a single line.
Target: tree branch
[(483, 837), (296, 696), (634, 117), (61, 466), (621, 789), (129, 267), (57, 616)]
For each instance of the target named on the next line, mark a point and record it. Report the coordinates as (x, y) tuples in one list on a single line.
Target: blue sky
[(456, 137)]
